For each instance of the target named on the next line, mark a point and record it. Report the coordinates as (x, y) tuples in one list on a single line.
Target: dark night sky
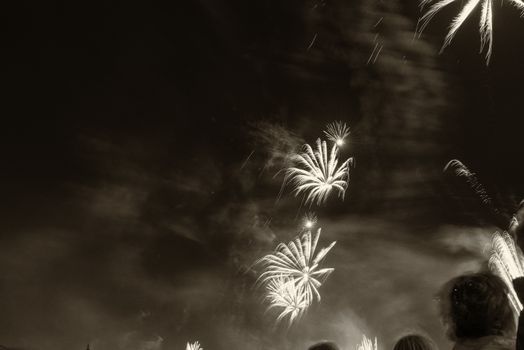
[(130, 217)]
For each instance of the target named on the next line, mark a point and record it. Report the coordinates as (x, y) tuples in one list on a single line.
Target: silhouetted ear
[(518, 284)]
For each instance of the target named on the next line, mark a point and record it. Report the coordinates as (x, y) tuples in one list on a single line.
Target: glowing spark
[(337, 132), (309, 221), (507, 261), (367, 344), (290, 298), (297, 261), (312, 42), (486, 20), (194, 346), (319, 173)]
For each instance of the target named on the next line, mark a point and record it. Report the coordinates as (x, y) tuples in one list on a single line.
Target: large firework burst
[(298, 262), (337, 132), (486, 20), (507, 261), (194, 346), (367, 344), (317, 174), (290, 298)]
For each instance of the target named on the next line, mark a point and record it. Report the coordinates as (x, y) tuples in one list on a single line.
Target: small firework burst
[(337, 132), (317, 174), (285, 295), (193, 346), (367, 344), (309, 221), (298, 262), (486, 20), (507, 261)]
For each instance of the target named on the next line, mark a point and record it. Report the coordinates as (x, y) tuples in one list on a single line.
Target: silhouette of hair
[(476, 305), (414, 342), (326, 345)]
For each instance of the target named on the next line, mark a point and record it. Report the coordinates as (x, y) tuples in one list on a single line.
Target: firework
[(337, 132), (317, 174), (297, 261), (367, 344), (486, 20), (309, 221), (284, 294), (194, 346), (507, 261), (461, 170)]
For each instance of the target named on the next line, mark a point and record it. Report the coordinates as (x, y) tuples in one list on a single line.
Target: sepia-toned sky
[(142, 153)]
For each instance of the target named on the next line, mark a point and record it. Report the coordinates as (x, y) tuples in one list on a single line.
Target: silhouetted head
[(476, 305), (414, 342), (516, 228), (324, 346)]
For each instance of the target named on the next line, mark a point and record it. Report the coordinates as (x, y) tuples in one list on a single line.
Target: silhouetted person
[(477, 312), (324, 346), (414, 342)]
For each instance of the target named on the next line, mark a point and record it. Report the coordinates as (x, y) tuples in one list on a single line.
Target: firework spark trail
[(486, 29), (485, 25), (367, 344), (312, 42), (319, 173), (378, 53), (297, 261), (461, 170), (507, 261), (283, 293), (372, 53), (499, 214), (247, 159), (194, 346), (375, 53)]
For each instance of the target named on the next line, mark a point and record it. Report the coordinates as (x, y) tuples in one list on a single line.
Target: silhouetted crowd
[(475, 310)]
